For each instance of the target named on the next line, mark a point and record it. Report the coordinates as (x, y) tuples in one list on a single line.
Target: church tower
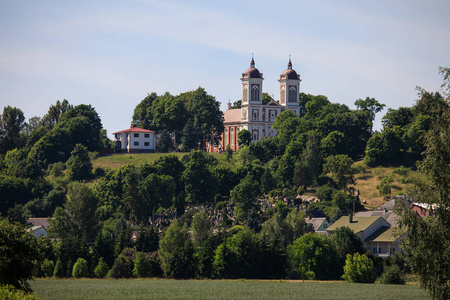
[(252, 81), (290, 89)]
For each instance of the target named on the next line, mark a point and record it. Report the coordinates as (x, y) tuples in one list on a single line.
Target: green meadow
[(218, 289)]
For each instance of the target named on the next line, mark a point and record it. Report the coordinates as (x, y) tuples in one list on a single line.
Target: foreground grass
[(217, 289)]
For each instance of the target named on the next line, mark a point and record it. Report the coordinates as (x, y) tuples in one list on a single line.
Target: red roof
[(232, 116), (134, 129)]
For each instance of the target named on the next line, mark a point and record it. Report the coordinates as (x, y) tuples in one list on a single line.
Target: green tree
[(177, 252), (47, 266), (244, 137), (359, 268), (80, 268), (426, 241), (79, 165), (340, 167), (203, 244), (58, 272), (197, 177), (155, 190), (142, 266), (51, 119), (346, 242), (313, 257), (101, 270), (12, 123), (392, 275), (18, 251), (122, 267), (244, 195), (370, 105)]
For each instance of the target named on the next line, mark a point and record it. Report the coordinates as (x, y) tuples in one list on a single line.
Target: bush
[(325, 193), (300, 191), (142, 266), (58, 272), (99, 172), (221, 205), (101, 270), (392, 275), (80, 269), (122, 268), (47, 267), (9, 292), (359, 268), (401, 171)]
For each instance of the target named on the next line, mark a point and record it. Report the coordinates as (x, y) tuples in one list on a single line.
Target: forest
[(197, 218)]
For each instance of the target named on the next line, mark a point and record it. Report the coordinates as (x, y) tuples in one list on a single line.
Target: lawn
[(217, 289)]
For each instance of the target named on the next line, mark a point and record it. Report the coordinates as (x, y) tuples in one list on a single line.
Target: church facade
[(255, 116)]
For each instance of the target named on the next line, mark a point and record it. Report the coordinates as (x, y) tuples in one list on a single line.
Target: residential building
[(134, 140)]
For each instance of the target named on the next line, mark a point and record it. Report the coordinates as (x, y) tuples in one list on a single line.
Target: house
[(375, 232), (37, 231), (255, 116), (423, 209), (134, 140), (319, 225)]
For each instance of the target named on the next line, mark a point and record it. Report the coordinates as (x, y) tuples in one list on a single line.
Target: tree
[(177, 252), (244, 137), (80, 268), (12, 123), (346, 242), (313, 257), (340, 167), (244, 195), (155, 190), (101, 269), (51, 119), (426, 241), (370, 105), (18, 251), (142, 266), (197, 177), (47, 266), (79, 165), (359, 268)]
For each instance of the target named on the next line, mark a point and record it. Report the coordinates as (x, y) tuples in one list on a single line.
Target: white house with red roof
[(255, 116), (134, 140)]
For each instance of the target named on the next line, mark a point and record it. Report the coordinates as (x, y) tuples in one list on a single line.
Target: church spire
[(252, 63), (290, 63)]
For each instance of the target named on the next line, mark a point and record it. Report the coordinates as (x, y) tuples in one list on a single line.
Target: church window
[(255, 92), (292, 94)]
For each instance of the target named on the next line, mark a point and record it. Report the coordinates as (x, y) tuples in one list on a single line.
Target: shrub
[(401, 171), (99, 172), (80, 269), (11, 293), (392, 275), (325, 192), (101, 270), (359, 268), (58, 272), (300, 191), (142, 266), (47, 267), (221, 205), (122, 268)]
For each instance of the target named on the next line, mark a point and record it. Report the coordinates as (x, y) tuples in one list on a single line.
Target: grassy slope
[(217, 289)]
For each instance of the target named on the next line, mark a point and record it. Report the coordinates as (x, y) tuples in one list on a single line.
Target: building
[(134, 140), (255, 116), (375, 232)]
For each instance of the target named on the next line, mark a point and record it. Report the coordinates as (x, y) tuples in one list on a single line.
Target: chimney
[(228, 105), (350, 218)]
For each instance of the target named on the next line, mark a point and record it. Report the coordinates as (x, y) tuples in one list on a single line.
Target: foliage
[(392, 275), (80, 268), (176, 252), (122, 268), (244, 137), (101, 270), (429, 237), (18, 251), (47, 267), (142, 266), (58, 272), (313, 256), (197, 177), (359, 268), (12, 123), (244, 195), (228, 153), (346, 242), (79, 164), (9, 292), (155, 190), (340, 167)]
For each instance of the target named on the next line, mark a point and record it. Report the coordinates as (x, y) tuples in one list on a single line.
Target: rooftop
[(134, 129), (358, 224)]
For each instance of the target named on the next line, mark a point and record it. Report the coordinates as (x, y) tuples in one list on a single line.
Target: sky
[(111, 54)]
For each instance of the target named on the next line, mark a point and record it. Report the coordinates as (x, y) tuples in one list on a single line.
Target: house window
[(255, 136), (136, 135), (292, 94), (136, 144), (245, 114), (147, 135), (146, 144)]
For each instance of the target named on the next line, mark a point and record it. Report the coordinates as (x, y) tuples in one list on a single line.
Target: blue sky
[(110, 54)]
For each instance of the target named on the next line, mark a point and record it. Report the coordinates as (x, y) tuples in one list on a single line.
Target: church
[(255, 116)]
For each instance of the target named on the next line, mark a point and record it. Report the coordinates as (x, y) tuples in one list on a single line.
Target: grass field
[(217, 289)]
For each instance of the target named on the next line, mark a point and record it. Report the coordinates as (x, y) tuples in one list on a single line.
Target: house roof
[(135, 129), (358, 224), (383, 234), (39, 222), (316, 214), (34, 228), (316, 222), (232, 116)]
